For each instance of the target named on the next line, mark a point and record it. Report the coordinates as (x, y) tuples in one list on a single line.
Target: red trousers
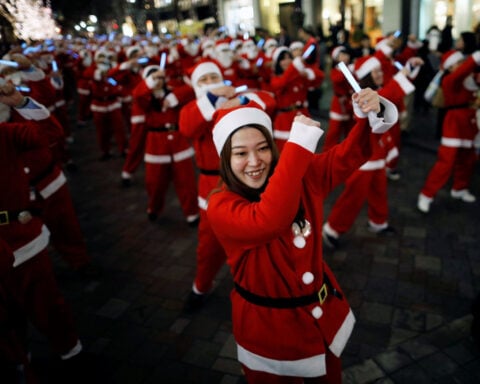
[(210, 254), (36, 297), (361, 187), (136, 149), (182, 173), (107, 125), (58, 214), (456, 162)]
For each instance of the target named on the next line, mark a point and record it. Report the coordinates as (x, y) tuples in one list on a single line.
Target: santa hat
[(100, 52), (149, 70), (337, 50), (207, 43), (450, 58), (384, 46), (277, 52), (270, 43), (229, 120), (130, 51), (296, 45), (222, 44), (202, 69), (365, 65)]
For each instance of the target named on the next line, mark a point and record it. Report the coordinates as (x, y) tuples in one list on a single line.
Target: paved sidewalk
[(411, 293)]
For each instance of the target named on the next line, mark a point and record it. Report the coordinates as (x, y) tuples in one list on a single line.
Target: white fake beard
[(201, 90), (225, 59), (5, 112)]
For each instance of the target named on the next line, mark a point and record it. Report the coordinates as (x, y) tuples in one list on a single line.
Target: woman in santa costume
[(290, 82), (291, 320), (456, 154), (368, 184), (341, 110), (196, 122), (168, 154)]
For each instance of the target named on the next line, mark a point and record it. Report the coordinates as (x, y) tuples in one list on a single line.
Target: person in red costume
[(196, 124), (290, 81), (368, 184), (456, 154), (106, 105), (168, 155), (291, 320), (341, 111), (31, 284)]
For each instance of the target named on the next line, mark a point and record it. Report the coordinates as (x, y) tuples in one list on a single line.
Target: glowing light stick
[(259, 62), (22, 88), (142, 60), (241, 88), (348, 75), (308, 51), (163, 60), (9, 63), (112, 81), (54, 66)]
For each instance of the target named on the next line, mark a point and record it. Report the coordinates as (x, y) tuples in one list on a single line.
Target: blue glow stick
[(398, 65), (241, 88), (22, 88), (142, 60), (112, 81), (260, 43), (54, 66), (259, 62), (163, 60), (227, 82), (9, 63), (308, 51), (348, 75)]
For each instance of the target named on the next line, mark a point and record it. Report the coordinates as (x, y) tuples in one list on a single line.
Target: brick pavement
[(411, 293)]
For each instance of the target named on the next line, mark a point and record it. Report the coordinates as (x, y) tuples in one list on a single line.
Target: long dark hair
[(278, 70), (229, 178)]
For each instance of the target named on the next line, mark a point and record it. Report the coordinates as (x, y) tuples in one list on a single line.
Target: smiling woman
[(267, 215)]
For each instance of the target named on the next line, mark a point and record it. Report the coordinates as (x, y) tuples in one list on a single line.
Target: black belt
[(23, 216), (165, 128), (209, 172), (290, 302)]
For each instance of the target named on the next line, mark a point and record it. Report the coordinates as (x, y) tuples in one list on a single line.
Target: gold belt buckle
[(4, 220), (323, 293)]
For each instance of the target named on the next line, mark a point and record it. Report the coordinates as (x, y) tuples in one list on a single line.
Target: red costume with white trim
[(456, 154), (259, 242)]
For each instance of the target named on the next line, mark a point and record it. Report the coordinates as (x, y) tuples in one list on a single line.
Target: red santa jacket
[(258, 240), (460, 90)]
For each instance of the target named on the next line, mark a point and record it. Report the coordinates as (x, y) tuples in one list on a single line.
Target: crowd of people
[(228, 120)]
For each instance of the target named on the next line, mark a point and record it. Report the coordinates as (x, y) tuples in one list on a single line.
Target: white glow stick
[(348, 75), (241, 88), (163, 60), (9, 63), (54, 66), (308, 51)]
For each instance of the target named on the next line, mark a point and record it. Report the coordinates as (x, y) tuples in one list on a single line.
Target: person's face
[(251, 157), (285, 62), (377, 76), (209, 78)]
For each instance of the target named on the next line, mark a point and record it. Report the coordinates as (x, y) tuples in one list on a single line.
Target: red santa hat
[(229, 120), (384, 46), (130, 51), (450, 58), (337, 50), (222, 44), (296, 45), (147, 71), (365, 65), (202, 69)]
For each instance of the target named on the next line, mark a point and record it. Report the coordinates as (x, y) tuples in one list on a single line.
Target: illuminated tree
[(30, 19)]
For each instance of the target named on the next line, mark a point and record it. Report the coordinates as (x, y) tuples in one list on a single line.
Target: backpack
[(434, 93)]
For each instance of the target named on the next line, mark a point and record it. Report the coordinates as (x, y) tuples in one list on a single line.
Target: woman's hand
[(367, 100), (306, 120), (226, 91), (10, 96)]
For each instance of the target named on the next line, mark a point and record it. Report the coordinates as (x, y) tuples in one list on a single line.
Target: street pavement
[(411, 293)]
